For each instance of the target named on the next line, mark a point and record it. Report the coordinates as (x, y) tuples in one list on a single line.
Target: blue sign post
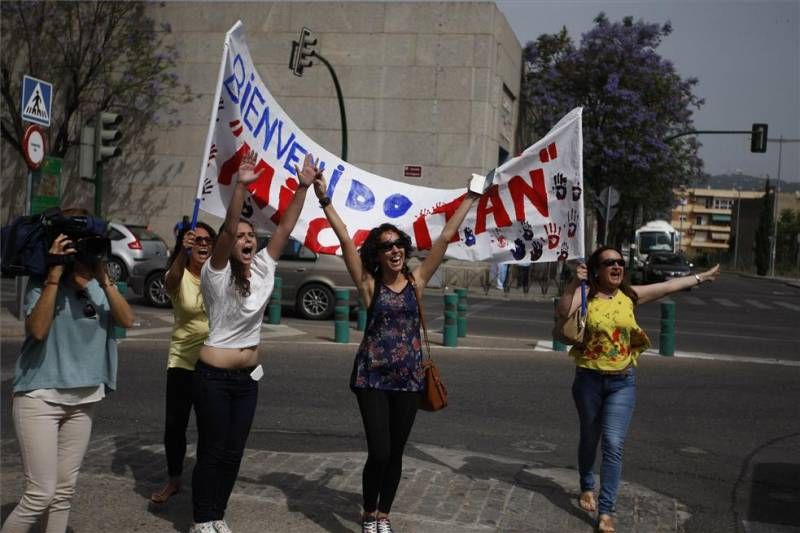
[(37, 101)]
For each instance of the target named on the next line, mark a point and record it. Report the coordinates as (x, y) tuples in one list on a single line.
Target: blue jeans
[(605, 407), (224, 405)]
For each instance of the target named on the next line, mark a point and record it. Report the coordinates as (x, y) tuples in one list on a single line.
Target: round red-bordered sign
[(34, 146)]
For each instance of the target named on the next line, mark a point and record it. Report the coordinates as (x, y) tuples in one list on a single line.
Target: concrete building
[(429, 84)]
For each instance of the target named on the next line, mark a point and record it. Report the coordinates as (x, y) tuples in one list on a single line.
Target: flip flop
[(605, 524), (587, 501), (167, 491)]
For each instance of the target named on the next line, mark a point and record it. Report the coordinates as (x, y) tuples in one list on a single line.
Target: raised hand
[(62, 245), (320, 187), (247, 167), (188, 240), (711, 274), (309, 173)]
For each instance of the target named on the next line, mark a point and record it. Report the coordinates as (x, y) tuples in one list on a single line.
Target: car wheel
[(315, 302), (155, 291), (116, 270)]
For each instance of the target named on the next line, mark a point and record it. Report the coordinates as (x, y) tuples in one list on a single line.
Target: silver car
[(131, 245)]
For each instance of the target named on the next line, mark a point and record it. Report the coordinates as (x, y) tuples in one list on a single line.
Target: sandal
[(587, 501), (605, 524), (170, 489)]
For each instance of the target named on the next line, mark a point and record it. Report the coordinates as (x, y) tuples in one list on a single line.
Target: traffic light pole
[(98, 189), (341, 103), (697, 132)]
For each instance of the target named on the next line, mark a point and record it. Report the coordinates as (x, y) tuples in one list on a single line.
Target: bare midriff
[(229, 357)]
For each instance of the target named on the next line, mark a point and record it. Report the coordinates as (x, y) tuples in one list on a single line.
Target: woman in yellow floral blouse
[(604, 389)]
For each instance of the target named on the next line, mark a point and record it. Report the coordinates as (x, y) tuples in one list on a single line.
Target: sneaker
[(369, 525), (384, 526), (202, 527), (221, 527)]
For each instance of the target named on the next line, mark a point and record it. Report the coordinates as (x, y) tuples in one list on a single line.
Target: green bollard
[(558, 346), (342, 316), (450, 336), (361, 324), (462, 312), (121, 333), (274, 307), (666, 339)]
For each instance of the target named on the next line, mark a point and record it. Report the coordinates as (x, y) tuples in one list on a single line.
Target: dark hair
[(178, 249), (593, 265), (238, 278), (369, 250)]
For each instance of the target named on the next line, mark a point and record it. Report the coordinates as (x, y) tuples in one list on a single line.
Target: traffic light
[(106, 136), (302, 51), (758, 139)]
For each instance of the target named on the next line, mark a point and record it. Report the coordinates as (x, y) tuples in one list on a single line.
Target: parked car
[(310, 280), (661, 266), (147, 279), (131, 245)]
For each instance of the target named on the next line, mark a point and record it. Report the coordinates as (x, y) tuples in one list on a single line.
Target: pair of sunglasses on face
[(88, 308), (612, 262), (202, 240), (385, 246)]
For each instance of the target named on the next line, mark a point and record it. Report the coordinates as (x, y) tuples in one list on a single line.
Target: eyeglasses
[(203, 240), (88, 309), (612, 262), (385, 246)]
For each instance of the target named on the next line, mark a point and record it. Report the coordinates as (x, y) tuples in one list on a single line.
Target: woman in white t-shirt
[(236, 283)]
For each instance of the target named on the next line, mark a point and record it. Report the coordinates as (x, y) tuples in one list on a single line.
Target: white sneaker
[(202, 527), (221, 527)]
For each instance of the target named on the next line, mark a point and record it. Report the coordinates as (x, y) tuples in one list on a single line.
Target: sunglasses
[(203, 240), (612, 262), (385, 246), (88, 309)]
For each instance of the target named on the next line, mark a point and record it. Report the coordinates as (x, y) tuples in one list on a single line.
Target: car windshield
[(143, 234), (666, 259)]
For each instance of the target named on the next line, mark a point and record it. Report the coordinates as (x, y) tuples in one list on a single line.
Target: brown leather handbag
[(435, 396)]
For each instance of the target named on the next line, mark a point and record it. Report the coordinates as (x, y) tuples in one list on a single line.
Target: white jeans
[(52, 440)]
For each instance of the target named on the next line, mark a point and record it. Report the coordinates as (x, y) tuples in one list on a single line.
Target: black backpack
[(24, 245)]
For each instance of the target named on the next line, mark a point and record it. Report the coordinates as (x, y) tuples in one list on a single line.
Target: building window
[(723, 203), (699, 220)]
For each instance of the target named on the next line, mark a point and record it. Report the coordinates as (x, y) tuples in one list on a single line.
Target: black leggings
[(179, 406), (388, 417)]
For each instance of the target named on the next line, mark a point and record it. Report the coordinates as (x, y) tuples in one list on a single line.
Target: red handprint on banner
[(553, 234)]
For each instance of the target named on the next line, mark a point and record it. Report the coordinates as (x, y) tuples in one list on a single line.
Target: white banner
[(532, 212)]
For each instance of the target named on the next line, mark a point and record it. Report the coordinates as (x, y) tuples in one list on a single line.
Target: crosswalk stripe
[(725, 302), (757, 304), (787, 305)]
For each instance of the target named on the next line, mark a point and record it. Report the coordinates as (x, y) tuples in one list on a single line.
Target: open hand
[(62, 245), (309, 173), (582, 272), (320, 187), (711, 274), (247, 172)]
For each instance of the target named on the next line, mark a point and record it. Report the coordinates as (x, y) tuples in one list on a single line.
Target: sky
[(746, 56)]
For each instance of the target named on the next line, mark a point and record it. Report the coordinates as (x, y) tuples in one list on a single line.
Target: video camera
[(87, 233)]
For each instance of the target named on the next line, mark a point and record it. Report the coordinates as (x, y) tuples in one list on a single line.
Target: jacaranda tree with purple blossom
[(98, 55), (632, 100)]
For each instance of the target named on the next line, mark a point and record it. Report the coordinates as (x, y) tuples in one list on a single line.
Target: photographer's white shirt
[(235, 321)]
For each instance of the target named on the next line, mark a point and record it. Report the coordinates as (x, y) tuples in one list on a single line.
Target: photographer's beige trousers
[(52, 440)]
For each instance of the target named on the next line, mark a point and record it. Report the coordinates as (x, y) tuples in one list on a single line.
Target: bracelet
[(106, 285), (699, 281), (324, 202), (48, 282)]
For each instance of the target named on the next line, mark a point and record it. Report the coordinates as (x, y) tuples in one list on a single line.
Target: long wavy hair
[(594, 266), (369, 249), (178, 249), (238, 278)]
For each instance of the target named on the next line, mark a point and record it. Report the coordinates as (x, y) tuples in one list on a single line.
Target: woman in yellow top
[(182, 281), (604, 389)]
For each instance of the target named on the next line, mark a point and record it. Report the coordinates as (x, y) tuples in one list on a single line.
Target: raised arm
[(227, 236), (650, 293), (292, 213), (426, 269), (363, 282), (571, 298), (174, 275), (120, 309), (41, 318)]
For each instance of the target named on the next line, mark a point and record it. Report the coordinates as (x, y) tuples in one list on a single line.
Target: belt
[(606, 372)]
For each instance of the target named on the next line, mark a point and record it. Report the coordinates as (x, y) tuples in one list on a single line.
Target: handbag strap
[(583, 297), (413, 282)]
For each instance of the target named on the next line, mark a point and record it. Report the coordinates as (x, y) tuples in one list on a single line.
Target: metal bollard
[(450, 333), (461, 319), (558, 346), (342, 316), (274, 306), (361, 323), (121, 333), (666, 339)]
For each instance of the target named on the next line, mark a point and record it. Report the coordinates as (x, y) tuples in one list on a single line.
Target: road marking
[(787, 305), (694, 300), (137, 332), (725, 302), (757, 304)]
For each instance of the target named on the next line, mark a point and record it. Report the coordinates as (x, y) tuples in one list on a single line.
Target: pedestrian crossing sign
[(37, 100)]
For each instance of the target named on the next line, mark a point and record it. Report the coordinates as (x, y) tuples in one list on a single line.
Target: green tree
[(786, 255), (764, 232), (633, 99), (98, 56)]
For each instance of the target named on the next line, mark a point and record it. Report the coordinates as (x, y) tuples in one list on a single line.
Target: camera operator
[(67, 364)]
